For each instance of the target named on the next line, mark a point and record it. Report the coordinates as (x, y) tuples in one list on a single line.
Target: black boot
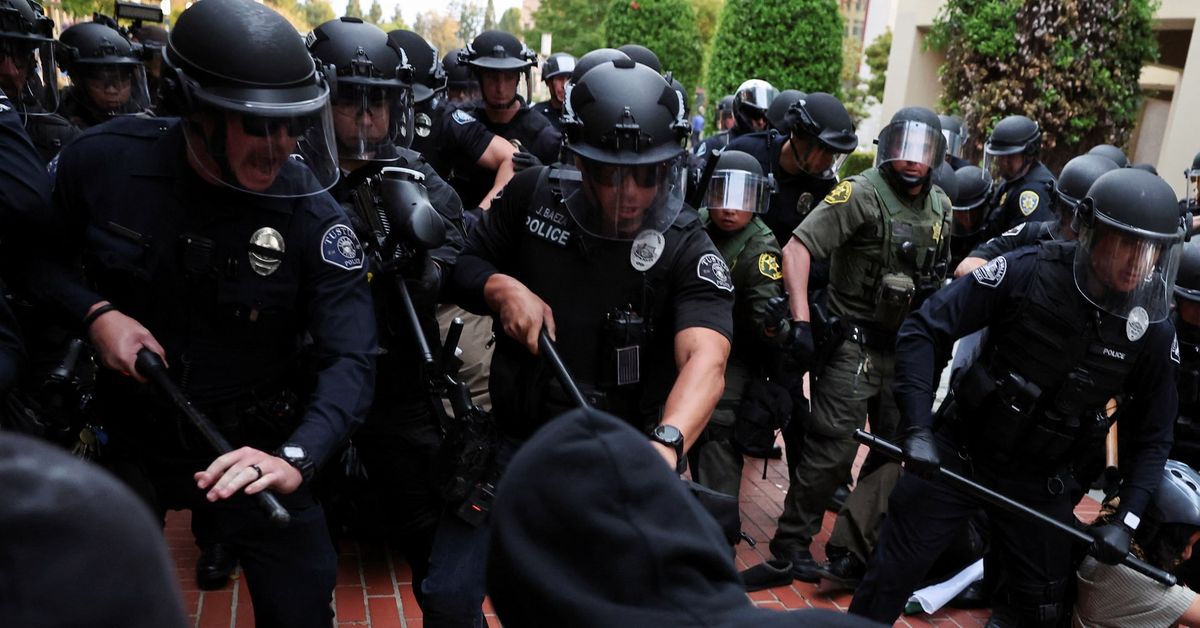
[(844, 570), (215, 566)]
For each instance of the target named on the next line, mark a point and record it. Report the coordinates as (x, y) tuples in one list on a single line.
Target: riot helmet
[(556, 71), (910, 147), (1193, 182), (944, 177), (1148, 167), (625, 130), (498, 58), (643, 55), (970, 207), (822, 134), (1111, 152), (750, 104), (776, 113), (1077, 178), (461, 87), (106, 71), (725, 119), (27, 73), (1013, 136), (738, 184), (595, 58), (1187, 281), (1130, 235), (428, 76), (956, 135), (1178, 497), (370, 88), (153, 39), (250, 95)]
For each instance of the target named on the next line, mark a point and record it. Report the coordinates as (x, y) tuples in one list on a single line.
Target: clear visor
[(911, 141), (1004, 167), (27, 75), (618, 202), (1193, 187), (815, 158), (113, 89), (954, 142), (758, 96), (277, 151), (1127, 274), (968, 220), (370, 120), (737, 190)]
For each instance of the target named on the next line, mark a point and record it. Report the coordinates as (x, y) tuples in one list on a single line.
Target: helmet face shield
[(737, 190), (617, 201), (28, 74), (1193, 188), (968, 220), (911, 141), (113, 89), (1126, 272), (369, 120), (814, 158), (954, 142)]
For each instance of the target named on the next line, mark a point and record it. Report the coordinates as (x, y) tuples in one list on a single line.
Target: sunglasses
[(611, 175), (264, 126)]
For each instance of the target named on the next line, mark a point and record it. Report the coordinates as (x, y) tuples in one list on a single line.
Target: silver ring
[(259, 470)]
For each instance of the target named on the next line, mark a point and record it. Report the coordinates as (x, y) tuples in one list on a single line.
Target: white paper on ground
[(935, 596)]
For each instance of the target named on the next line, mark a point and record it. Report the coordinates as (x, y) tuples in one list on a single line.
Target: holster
[(828, 334)]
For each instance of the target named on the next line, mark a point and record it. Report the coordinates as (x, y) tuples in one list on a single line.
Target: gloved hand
[(1112, 542), (920, 452), (524, 160), (799, 345), (424, 280), (776, 315)]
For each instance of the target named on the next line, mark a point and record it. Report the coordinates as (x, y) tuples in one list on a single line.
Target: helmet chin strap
[(903, 183)]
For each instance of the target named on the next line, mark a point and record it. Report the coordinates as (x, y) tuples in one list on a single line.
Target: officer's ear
[(1085, 214)]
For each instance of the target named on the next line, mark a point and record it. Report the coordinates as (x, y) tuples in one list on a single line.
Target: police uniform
[(1023, 234), (754, 261), (795, 194), (550, 113), (229, 284), (1079, 358), (1187, 427), (535, 134), (448, 140), (877, 242), (49, 133), (1027, 198)]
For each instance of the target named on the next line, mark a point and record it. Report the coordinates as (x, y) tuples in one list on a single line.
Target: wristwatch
[(670, 436), (297, 456)]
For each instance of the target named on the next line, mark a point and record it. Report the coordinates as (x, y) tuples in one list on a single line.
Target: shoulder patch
[(713, 269), (339, 246), (462, 117), (1175, 349), (1015, 230), (1028, 202), (991, 273), (768, 266), (839, 194)]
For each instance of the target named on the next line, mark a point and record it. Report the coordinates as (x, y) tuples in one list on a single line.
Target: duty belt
[(870, 338)]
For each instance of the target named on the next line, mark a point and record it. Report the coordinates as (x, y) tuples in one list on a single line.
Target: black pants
[(924, 517)]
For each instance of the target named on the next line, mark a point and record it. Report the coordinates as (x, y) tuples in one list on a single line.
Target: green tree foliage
[(793, 44), (85, 8), (439, 29), (854, 92), (375, 13), (668, 27), (317, 12), (354, 8), (489, 17), (1072, 65), (396, 22), (707, 12), (877, 60), (510, 22), (573, 25)]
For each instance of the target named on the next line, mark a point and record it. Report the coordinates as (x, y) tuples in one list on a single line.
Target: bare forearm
[(700, 355), (796, 264), (498, 157)]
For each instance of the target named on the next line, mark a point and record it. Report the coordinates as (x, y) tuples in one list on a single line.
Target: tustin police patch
[(339, 246), (991, 273), (1028, 201), (712, 269)]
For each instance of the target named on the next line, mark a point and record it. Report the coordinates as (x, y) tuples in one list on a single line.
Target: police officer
[(1098, 307), (24, 200), (206, 242), (1191, 200), (556, 69), (645, 293), (28, 76), (750, 104), (462, 88), (1108, 151), (777, 112), (1025, 185), (886, 233), (725, 114), (107, 76), (1187, 325), (956, 138)]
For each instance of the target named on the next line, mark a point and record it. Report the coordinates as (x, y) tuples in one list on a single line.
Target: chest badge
[(423, 125), (1137, 323), (647, 248), (937, 232), (266, 251), (839, 194), (804, 203), (1028, 202)]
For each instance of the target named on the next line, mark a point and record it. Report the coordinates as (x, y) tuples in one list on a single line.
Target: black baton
[(150, 366), (546, 346), (992, 497)]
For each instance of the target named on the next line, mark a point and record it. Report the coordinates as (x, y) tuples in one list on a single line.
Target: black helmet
[(643, 55), (725, 105), (1187, 282), (1111, 152), (945, 178), (1077, 178), (236, 68), (970, 207), (738, 184), (369, 76), (1193, 182), (558, 64), (27, 34), (428, 77), (956, 136), (777, 112), (823, 118), (1014, 135), (750, 104), (497, 51), (625, 125), (458, 75), (1130, 233), (1178, 497), (100, 62), (594, 58), (913, 135)]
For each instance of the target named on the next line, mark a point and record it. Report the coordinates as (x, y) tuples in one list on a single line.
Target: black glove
[(800, 345), (1112, 542), (776, 315), (424, 280), (524, 160), (920, 452)]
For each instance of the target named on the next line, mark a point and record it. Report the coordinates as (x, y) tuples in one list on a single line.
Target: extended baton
[(992, 497), (151, 366), (546, 346)]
